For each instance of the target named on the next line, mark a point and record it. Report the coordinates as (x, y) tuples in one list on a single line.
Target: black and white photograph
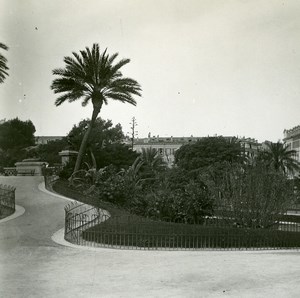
[(149, 148)]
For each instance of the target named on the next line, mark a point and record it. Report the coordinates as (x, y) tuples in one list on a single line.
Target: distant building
[(292, 139), (167, 146), (41, 140)]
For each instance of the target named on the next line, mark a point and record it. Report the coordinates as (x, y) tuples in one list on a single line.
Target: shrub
[(66, 171), (255, 195), (175, 197)]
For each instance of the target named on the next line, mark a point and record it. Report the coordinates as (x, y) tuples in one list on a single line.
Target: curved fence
[(90, 226), (79, 218), (49, 180), (7, 200)]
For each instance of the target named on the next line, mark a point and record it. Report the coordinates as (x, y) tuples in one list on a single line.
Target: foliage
[(103, 132), (111, 186), (116, 154), (250, 195), (280, 157), (49, 152), (67, 170), (3, 64), (255, 195), (15, 137), (208, 151), (190, 203), (104, 142), (93, 77), (174, 195), (152, 162), (135, 231)]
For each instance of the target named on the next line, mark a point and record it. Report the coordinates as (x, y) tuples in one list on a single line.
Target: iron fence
[(80, 217), (90, 226), (49, 180), (10, 171), (7, 200)]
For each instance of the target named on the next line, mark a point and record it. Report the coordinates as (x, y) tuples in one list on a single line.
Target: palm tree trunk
[(83, 144)]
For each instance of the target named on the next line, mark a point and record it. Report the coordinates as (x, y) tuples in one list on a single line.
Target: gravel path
[(33, 265)]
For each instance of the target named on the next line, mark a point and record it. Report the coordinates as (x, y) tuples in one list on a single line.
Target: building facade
[(292, 140), (41, 140), (167, 146)]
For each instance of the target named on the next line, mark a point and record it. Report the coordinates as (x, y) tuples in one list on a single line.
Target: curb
[(18, 212), (42, 188)]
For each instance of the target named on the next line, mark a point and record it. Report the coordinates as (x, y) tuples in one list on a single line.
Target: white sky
[(225, 67)]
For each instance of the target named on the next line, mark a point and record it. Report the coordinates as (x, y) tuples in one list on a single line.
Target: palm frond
[(93, 76), (3, 64), (3, 46)]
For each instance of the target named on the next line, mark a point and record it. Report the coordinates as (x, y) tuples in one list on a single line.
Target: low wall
[(26, 167)]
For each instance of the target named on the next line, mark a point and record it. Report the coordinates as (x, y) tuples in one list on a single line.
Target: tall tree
[(93, 77), (280, 157), (15, 136), (3, 64)]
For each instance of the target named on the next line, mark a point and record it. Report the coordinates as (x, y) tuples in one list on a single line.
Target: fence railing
[(79, 218), (10, 171), (90, 226), (49, 180), (7, 200)]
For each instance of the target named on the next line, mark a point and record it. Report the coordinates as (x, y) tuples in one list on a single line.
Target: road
[(33, 265)]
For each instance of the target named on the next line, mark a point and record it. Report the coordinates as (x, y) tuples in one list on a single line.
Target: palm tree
[(152, 158), (3, 65), (93, 77), (280, 157)]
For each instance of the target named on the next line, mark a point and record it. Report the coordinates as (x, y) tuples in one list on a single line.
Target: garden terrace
[(124, 230)]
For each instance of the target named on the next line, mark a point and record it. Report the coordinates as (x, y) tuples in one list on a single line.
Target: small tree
[(255, 196)]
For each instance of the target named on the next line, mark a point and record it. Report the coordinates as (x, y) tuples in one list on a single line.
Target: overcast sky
[(225, 67)]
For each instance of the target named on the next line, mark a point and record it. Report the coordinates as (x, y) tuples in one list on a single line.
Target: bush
[(116, 189), (174, 196), (66, 171), (255, 195)]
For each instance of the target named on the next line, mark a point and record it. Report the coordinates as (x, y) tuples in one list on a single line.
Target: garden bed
[(123, 229)]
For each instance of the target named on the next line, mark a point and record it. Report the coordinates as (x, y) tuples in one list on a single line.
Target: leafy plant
[(255, 196)]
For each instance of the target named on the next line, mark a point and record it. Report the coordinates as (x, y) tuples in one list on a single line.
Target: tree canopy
[(208, 151), (15, 136), (105, 143), (50, 152)]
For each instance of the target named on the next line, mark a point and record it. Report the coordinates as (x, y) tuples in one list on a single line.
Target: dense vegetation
[(217, 182), (16, 139)]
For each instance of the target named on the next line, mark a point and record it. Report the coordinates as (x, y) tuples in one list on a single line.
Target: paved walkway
[(32, 265)]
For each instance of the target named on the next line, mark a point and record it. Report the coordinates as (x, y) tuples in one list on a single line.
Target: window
[(296, 144)]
